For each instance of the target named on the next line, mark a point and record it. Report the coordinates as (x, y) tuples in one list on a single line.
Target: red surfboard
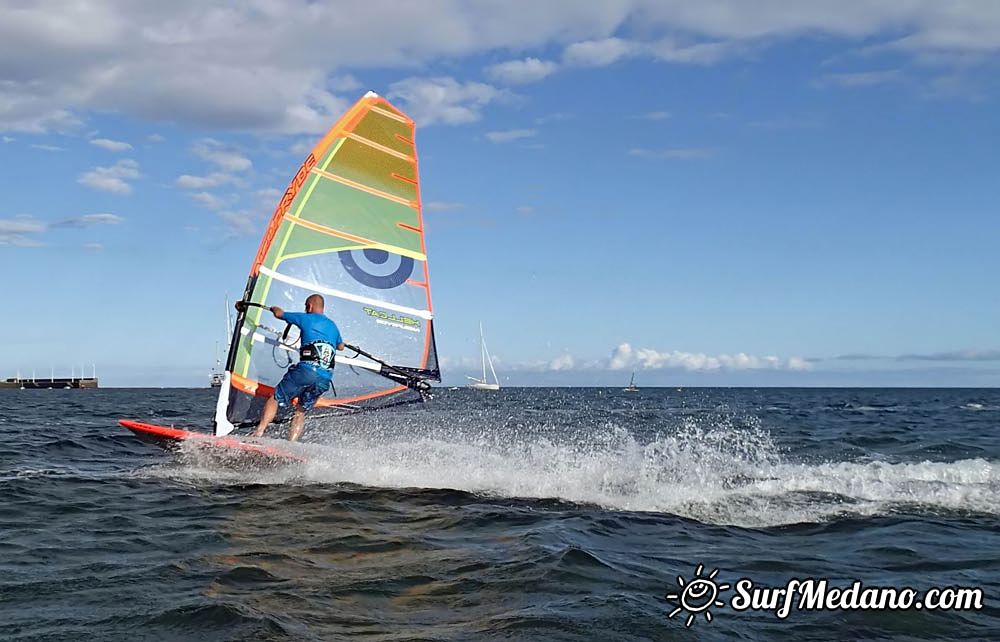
[(224, 447)]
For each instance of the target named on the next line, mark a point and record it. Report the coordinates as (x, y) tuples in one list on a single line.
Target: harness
[(319, 352)]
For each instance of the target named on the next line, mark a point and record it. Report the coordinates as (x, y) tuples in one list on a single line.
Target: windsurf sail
[(349, 227)]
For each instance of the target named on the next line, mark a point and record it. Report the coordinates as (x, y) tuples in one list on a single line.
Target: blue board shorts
[(302, 382)]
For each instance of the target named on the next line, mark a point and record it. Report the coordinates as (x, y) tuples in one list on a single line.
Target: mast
[(229, 323), (482, 347), (496, 379)]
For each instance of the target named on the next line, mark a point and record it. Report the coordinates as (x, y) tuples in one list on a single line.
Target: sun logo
[(697, 596)]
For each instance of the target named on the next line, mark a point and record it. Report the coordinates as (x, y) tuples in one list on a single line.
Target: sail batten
[(348, 227), (343, 180), (319, 289)]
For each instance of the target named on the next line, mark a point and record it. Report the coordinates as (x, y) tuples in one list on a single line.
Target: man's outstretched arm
[(275, 310)]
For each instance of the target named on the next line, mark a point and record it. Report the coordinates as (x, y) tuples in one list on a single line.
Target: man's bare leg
[(298, 422), (270, 410)]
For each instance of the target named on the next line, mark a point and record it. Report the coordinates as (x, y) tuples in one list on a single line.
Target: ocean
[(528, 514)]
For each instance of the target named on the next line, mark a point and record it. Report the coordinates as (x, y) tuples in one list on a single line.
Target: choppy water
[(544, 514)]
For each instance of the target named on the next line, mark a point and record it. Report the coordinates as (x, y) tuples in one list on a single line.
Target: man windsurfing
[(307, 380)]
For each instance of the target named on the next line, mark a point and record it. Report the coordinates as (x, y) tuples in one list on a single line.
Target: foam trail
[(721, 475)]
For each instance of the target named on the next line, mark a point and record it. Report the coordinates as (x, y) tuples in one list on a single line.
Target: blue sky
[(719, 193)]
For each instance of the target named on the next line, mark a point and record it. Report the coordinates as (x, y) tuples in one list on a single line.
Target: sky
[(723, 193)]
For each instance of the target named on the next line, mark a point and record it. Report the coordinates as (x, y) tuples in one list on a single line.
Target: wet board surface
[(226, 448)]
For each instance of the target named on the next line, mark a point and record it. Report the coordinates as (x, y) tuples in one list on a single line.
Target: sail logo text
[(293, 189), (393, 320)]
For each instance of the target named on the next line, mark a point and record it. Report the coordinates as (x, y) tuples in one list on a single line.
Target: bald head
[(315, 303)]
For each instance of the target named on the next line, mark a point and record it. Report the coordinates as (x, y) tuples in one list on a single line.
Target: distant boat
[(483, 384), (631, 384)]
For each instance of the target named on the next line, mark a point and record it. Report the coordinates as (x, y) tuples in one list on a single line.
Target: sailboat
[(631, 384), (349, 228), (483, 384), (216, 377)]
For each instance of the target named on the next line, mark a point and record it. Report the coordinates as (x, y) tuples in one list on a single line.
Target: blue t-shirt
[(315, 327)]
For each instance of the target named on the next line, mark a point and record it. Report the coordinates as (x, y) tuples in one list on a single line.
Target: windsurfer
[(307, 380)]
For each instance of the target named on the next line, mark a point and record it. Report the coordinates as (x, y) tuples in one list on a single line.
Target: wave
[(978, 406)]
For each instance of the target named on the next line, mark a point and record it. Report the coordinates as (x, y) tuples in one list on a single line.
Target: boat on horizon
[(483, 383)]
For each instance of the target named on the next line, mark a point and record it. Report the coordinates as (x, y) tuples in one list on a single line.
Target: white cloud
[(47, 148), (219, 64), (89, 220), (565, 361), (799, 363), (509, 135), (211, 201), (704, 53), (18, 240), (302, 147), (101, 219), (215, 179), (861, 79), (111, 145), (21, 225), (209, 57), (112, 179), (23, 230), (8, 139), (621, 357), (462, 363), (518, 72), (268, 195), (599, 53), (552, 118), (155, 138), (443, 99), (239, 223), (954, 355), (442, 206), (674, 153), (624, 356), (218, 153), (347, 82)]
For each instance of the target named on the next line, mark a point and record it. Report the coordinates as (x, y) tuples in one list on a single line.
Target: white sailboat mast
[(488, 358), (482, 349)]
